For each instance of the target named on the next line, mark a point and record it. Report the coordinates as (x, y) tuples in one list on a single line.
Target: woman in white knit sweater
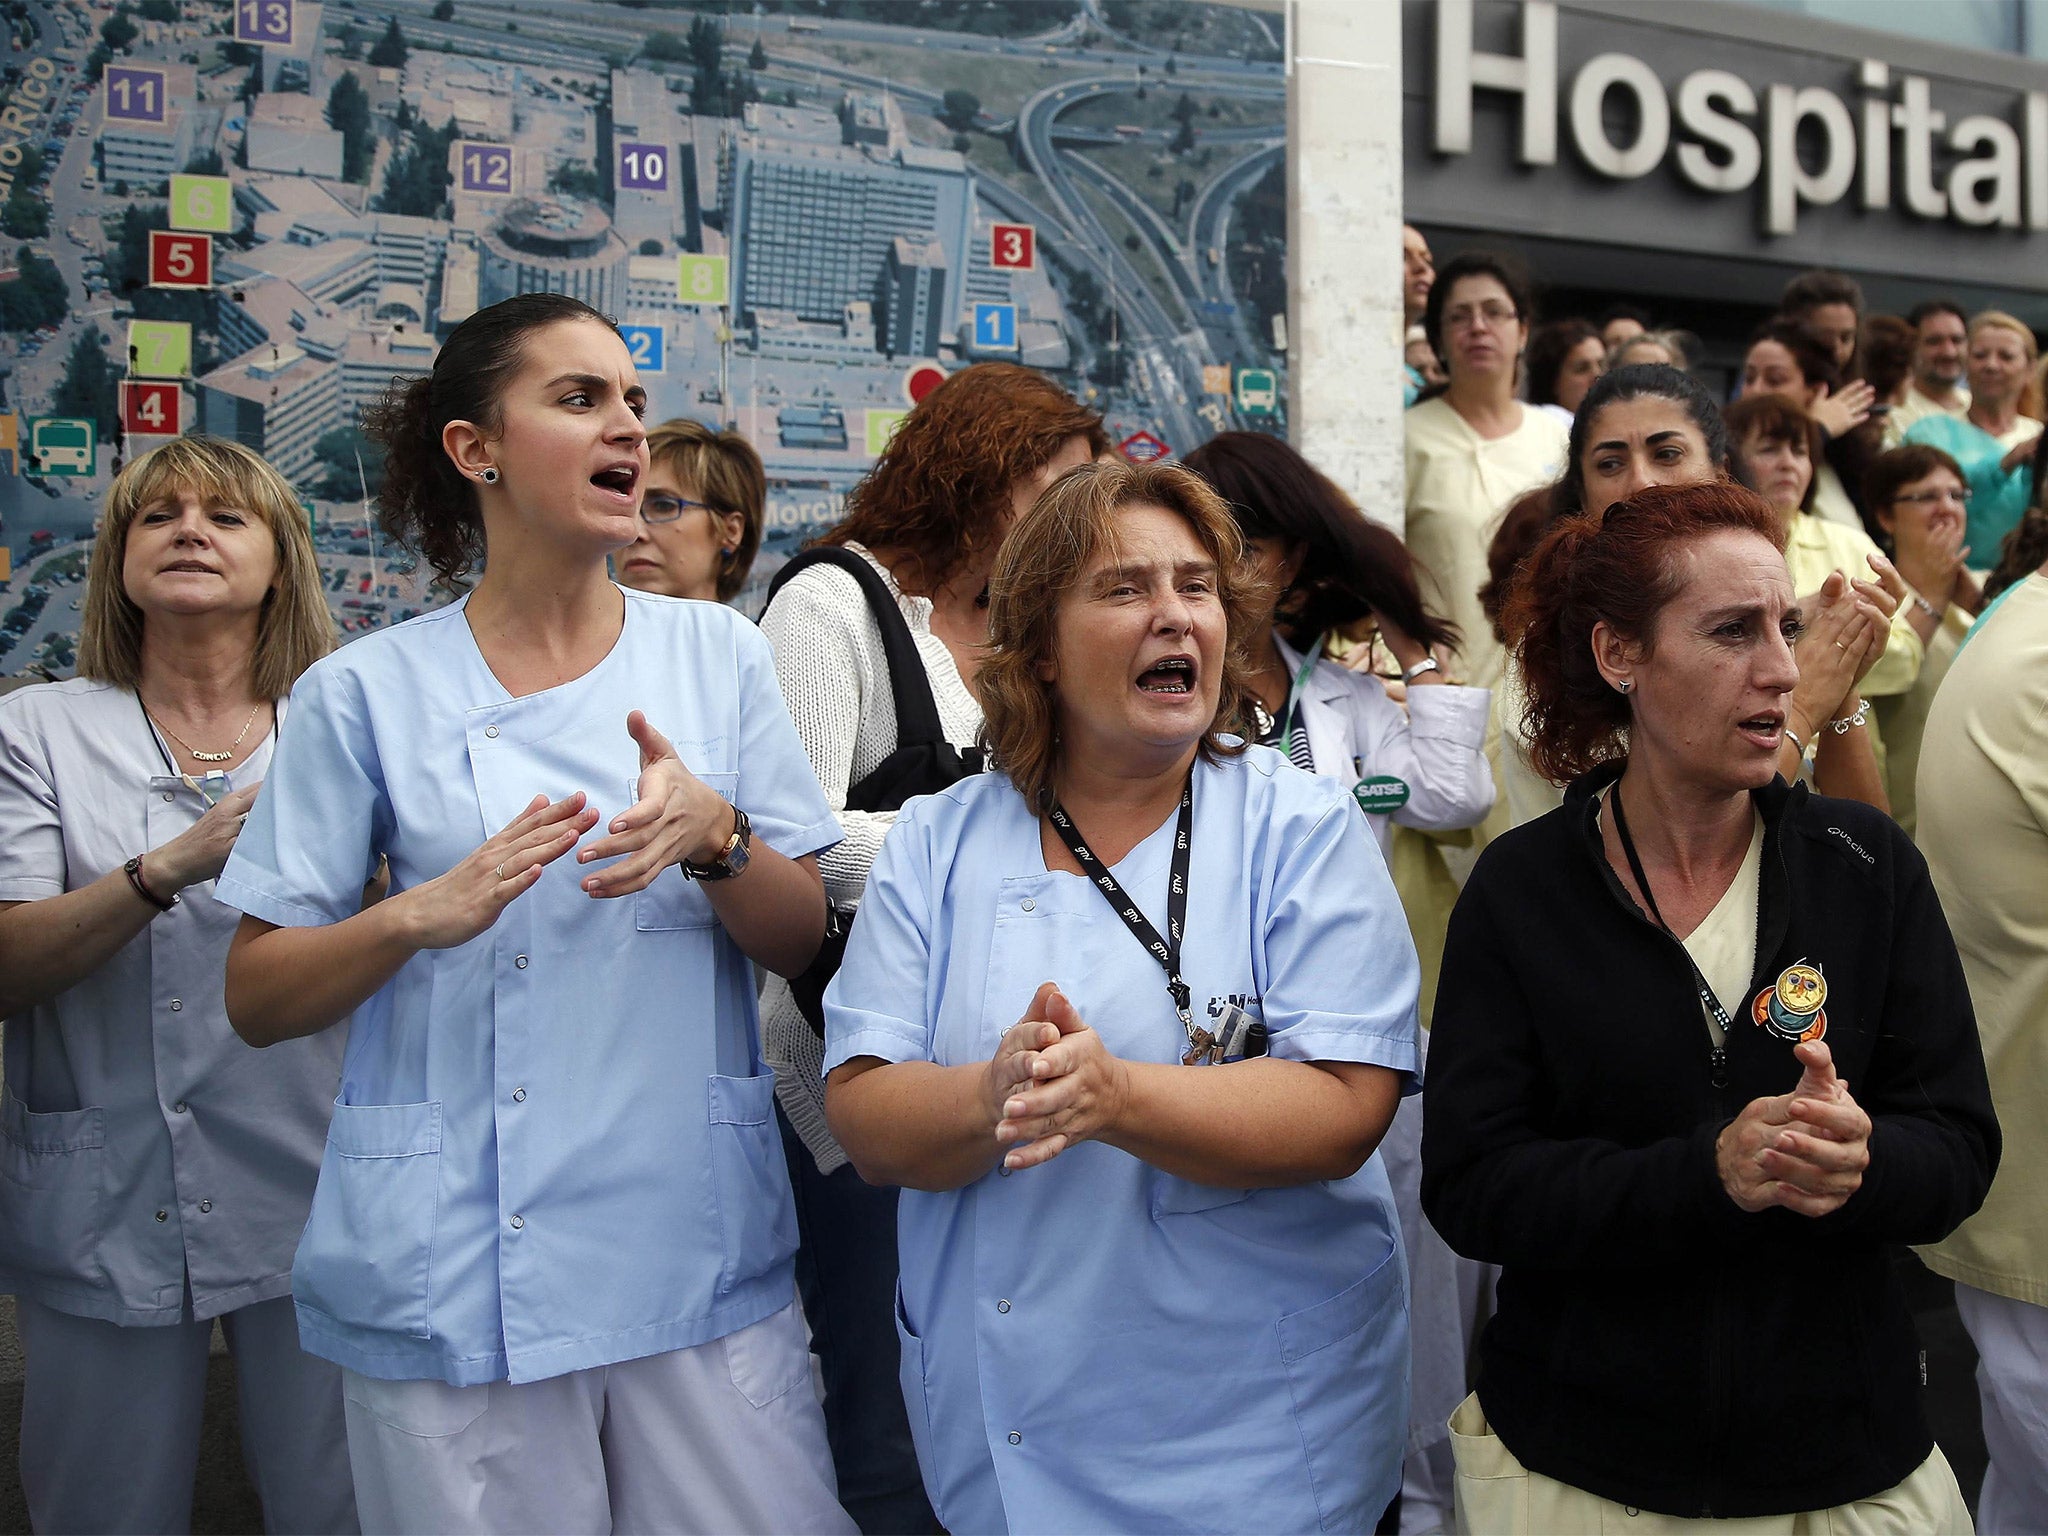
[(965, 463)]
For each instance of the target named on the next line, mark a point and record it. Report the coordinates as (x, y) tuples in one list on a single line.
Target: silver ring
[(501, 872)]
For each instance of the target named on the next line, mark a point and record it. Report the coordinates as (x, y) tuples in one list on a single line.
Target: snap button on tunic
[(129, 1090), (639, 1203), (1268, 1326)]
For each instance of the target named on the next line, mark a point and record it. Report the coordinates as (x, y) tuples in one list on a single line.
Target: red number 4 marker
[(150, 410)]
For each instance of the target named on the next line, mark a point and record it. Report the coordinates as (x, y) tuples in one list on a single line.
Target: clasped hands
[(1805, 1150), (1052, 1083), (677, 817)]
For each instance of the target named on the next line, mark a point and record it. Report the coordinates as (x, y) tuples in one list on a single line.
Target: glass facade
[(1998, 26)]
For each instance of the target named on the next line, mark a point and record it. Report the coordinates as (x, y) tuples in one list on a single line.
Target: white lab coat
[(1433, 746)]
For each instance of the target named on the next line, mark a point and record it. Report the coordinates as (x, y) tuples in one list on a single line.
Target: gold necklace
[(213, 757)]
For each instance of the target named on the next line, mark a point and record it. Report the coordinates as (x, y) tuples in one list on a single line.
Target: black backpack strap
[(917, 712)]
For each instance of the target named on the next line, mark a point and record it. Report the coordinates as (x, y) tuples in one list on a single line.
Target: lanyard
[(1166, 952), (1707, 999), (1308, 667)]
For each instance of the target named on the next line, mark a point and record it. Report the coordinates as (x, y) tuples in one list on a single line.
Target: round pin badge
[(1791, 1008), (1381, 794)]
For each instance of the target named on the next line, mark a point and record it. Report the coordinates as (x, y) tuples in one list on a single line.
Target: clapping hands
[(1052, 1082), (1805, 1150)]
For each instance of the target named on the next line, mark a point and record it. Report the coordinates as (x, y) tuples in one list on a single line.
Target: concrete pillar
[(1344, 246)]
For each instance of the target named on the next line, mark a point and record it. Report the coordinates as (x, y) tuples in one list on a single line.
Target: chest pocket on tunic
[(673, 900), (52, 1169)]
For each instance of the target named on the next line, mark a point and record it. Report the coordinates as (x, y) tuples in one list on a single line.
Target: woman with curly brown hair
[(1655, 1001), (1127, 1019), (877, 636)]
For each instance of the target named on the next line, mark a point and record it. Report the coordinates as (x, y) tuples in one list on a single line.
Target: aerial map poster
[(248, 218)]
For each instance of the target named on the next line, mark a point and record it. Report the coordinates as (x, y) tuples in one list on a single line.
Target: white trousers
[(723, 1437), (2012, 1385), (110, 1421)]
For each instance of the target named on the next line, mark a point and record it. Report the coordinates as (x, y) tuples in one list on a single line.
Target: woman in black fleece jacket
[(1697, 1313)]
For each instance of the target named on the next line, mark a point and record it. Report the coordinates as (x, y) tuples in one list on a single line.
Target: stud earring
[(729, 550), (1623, 687), (489, 477)]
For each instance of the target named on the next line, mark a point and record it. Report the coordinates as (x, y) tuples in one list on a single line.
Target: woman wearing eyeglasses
[(700, 520), (1920, 500), (1474, 448)]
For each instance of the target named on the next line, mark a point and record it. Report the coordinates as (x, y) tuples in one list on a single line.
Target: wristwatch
[(733, 859), (1427, 664)]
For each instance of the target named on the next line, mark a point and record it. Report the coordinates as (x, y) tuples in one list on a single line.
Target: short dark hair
[(427, 504), (1817, 286), (1893, 471), (1887, 350), (1815, 362), (1615, 567), (1928, 308), (1353, 566), (1502, 268), (1549, 345), (1614, 312), (1775, 419), (1634, 382)]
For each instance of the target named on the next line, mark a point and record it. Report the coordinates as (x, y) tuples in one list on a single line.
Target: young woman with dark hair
[(1786, 359), (1640, 425), (1565, 357), (1475, 447), (1323, 567), (551, 1241), (1703, 1056)]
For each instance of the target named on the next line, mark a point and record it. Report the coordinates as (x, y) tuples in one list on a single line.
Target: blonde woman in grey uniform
[(155, 1172)]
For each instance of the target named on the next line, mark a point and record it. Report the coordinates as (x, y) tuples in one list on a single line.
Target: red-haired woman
[(915, 550), (1654, 1002)]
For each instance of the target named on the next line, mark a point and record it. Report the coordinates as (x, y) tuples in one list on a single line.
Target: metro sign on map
[(1143, 448), (151, 410), (921, 379), (1013, 247)]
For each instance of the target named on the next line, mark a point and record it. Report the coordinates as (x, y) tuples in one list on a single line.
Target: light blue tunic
[(1998, 496), (1096, 1345), (554, 1146)]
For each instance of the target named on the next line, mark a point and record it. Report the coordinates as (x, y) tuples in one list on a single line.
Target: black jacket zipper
[(1773, 917)]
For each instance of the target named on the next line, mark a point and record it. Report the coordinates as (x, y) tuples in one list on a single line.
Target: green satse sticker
[(1381, 794)]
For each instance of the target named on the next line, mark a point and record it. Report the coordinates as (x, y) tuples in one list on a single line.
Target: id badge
[(1239, 1035)]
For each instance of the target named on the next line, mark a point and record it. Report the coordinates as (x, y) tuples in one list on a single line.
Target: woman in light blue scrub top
[(1151, 1268), (553, 1162)]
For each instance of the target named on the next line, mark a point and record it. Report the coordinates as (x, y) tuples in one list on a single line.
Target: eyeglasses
[(1934, 499), (1465, 316), (666, 509)]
